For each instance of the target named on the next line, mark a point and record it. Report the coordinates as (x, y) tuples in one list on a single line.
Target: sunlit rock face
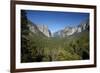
[(44, 29), (40, 28), (67, 31)]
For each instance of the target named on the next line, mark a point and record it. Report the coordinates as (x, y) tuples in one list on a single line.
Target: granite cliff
[(67, 31)]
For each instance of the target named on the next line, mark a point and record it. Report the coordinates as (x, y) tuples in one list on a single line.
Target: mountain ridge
[(39, 29), (67, 31)]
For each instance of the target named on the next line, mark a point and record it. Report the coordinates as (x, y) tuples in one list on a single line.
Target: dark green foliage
[(36, 47), (59, 49), (25, 53)]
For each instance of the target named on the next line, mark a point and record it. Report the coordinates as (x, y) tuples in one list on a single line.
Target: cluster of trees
[(25, 52), (37, 48)]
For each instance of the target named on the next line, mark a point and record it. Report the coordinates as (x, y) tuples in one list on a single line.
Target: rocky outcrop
[(67, 31), (36, 28), (44, 29)]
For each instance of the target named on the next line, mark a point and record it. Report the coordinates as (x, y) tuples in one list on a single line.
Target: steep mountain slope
[(67, 31), (70, 43), (39, 29)]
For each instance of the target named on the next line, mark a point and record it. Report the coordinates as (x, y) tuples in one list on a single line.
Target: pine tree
[(25, 53)]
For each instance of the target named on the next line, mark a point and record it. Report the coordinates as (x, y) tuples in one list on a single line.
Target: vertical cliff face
[(44, 29), (67, 31), (37, 29)]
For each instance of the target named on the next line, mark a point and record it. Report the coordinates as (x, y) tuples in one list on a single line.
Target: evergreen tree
[(25, 53)]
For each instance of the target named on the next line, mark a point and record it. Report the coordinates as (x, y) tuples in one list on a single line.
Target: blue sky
[(56, 20)]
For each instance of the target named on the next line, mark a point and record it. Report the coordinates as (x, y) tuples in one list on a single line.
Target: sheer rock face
[(67, 31), (44, 29), (40, 29)]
